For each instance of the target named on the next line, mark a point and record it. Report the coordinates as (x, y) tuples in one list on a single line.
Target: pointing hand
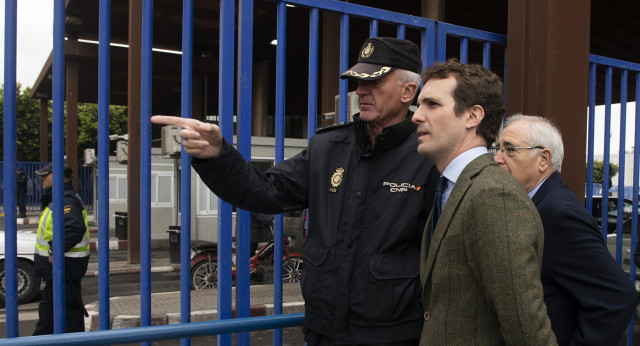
[(199, 139)]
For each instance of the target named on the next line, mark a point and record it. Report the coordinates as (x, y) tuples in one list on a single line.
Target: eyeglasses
[(510, 149)]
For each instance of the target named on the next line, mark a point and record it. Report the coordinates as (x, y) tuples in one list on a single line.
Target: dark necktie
[(437, 203)]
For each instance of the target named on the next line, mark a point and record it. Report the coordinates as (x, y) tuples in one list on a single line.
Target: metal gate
[(437, 41)]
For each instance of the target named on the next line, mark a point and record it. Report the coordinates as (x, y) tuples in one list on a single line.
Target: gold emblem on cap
[(363, 75), (336, 179), (367, 51)]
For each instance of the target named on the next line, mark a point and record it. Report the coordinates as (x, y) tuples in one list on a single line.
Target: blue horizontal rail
[(359, 11), (173, 331)]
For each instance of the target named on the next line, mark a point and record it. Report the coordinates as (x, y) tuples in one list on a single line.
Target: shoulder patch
[(334, 126), (67, 209)]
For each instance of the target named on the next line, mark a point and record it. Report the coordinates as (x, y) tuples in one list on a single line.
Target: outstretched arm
[(199, 139)]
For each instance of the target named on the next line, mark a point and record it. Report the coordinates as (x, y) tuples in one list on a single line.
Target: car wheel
[(292, 269), (204, 276), (28, 284)]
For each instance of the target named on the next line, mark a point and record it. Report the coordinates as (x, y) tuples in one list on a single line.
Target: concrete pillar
[(260, 98), (44, 130), (133, 128), (71, 143), (433, 9), (547, 72)]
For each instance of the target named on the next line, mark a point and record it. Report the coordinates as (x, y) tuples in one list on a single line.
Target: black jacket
[(367, 211), (589, 298), (74, 231)]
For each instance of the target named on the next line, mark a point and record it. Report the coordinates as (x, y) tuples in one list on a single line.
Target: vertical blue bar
[(312, 92), (344, 65), (590, 135), (145, 162), (225, 111), (441, 33), (607, 148), (634, 216), (185, 169), (373, 28), (401, 29), (281, 60), (621, 161), (486, 55), (104, 49), (464, 49), (9, 145), (245, 110), (428, 50), (59, 325)]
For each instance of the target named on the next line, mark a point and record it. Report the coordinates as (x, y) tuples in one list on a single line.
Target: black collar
[(390, 136)]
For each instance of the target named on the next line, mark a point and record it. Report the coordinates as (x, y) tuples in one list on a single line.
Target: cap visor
[(366, 71)]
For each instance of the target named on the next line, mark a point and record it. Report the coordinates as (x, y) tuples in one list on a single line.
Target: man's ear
[(409, 91), (544, 160), (474, 116)]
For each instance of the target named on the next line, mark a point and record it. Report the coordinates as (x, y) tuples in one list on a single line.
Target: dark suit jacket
[(589, 298), (481, 270)]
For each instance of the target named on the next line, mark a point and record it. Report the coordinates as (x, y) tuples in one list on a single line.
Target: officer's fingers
[(175, 121)]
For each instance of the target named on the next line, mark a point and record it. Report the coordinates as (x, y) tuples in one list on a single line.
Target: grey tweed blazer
[(481, 271)]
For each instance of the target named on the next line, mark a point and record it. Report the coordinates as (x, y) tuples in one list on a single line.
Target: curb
[(114, 244), (133, 321), (135, 270)]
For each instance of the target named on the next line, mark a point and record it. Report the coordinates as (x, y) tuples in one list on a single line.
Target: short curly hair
[(475, 86)]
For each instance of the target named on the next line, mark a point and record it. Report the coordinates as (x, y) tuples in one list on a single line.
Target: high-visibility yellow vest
[(45, 234)]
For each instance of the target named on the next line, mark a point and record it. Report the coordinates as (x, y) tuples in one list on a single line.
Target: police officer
[(76, 247), (369, 194)]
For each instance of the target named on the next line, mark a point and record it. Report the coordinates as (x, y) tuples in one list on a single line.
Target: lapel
[(551, 183), (460, 188)]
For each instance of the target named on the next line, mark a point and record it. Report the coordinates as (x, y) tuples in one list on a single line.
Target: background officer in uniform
[(21, 192), (368, 192), (76, 247)]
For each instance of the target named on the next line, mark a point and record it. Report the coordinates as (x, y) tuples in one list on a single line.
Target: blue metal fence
[(435, 42), (607, 68), (34, 185)]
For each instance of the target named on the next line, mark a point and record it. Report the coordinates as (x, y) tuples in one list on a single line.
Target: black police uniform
[(367, 210), (75, 230)]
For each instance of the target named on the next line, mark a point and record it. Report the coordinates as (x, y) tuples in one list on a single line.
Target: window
[(117, 188)]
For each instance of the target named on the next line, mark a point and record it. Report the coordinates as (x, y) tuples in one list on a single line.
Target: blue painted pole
[(103, 162), (59, 325), (145, 162), (9, 170), (185, 171), (245, 110), (281, 61), (225, 97)]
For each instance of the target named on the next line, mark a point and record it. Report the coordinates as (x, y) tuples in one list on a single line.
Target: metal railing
[(435, 40), (606, 68)]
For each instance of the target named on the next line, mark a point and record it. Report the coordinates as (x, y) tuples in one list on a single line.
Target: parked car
[(612, 223), (28, 283)]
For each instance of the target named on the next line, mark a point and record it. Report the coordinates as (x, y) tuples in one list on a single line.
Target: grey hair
[(406, 76), (544, 133)]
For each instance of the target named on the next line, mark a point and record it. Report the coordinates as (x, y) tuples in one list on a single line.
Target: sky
[(599, 134), (34, 38)]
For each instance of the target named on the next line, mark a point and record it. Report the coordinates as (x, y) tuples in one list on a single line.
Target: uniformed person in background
[(369, 194), (76, 247)]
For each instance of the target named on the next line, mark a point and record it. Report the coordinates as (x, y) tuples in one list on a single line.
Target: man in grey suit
[(481, 258)]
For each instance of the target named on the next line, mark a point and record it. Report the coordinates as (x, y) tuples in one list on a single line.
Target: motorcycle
[(204, 263)]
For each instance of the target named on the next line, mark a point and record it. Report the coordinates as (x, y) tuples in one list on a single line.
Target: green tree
[(597, 171), (88, 126), (27, 124)]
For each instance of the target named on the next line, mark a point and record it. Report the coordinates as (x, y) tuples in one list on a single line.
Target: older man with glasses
[(589, 298)]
